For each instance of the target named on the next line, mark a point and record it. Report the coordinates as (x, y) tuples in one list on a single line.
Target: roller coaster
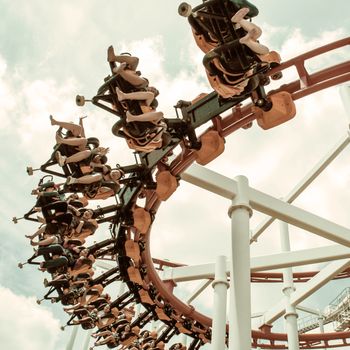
[(239, 69)]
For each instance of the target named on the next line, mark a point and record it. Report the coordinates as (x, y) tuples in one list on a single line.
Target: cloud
[(25, 324), (7, 99)]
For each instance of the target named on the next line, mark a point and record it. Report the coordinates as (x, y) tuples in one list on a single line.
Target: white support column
[(321, 322), (87, 340), (220, 286), (304, 291), (72, 338), (320, 319), (240, 300), (288, 288)]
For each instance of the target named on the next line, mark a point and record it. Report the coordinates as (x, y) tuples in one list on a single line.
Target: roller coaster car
[(233, 69), (56, 258), (84, 318), (48, 194), (57, 212), (212, 20), (140, 136), (70, 298), (70, 169)]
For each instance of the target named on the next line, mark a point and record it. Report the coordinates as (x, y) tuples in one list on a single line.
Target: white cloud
[(26, 325), (26, 106), (297, 44), (7, 99)]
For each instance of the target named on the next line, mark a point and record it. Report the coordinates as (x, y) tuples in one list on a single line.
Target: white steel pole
[(72, 338), (288, 288), (220, 286), (240, 299), (321, 324), (87, 340)]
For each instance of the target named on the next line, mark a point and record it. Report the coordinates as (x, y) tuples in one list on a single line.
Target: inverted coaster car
[(127, 95), (234, 60), (75, 169)]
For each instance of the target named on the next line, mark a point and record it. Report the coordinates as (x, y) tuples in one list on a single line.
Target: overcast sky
[(51, 51)]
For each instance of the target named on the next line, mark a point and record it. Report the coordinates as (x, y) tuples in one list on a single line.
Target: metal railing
[(338, 312)]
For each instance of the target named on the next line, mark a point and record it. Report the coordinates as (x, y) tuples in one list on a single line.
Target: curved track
[(156, 295), (312, 83)]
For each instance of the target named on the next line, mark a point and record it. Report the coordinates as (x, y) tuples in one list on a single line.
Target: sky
[(51, 51)]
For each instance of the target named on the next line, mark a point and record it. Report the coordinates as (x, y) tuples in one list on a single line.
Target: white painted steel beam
[(223, 186), (304, 183), (299, 257), (315, 283), (199, 290), (210, 181), (311, 311), (299, 217), (263, 263), (191, 273)]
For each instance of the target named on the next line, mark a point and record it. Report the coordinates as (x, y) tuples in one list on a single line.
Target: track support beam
[(290, 315), (220, 286), (227, 188), (240, 300)]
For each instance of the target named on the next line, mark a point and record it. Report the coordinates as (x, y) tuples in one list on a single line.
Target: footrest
[(212, 146), (182, 329), (166, 185), (132, 250), (134, 275), (161, 314), (283, 109), (142, 219), (145, 298)]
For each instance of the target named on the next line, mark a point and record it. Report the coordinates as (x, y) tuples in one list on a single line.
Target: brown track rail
[(240, 117)]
